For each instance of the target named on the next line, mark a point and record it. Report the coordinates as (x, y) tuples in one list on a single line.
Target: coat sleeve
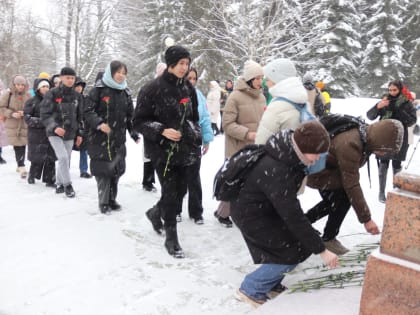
[(288, 207), (407, 114), (144, 120), (30, 119), (4, 108), (373, 112), (91, 118), (47, 113), (130, 109), (230, 118), (348, 155), (205, 122)]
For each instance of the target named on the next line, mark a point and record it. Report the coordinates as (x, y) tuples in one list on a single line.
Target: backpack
[(338, 123), (230, 178)]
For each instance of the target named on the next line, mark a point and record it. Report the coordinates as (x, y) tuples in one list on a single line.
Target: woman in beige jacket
[(241, 116), (11, 107)]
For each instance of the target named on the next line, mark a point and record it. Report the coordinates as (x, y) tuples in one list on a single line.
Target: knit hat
[(385, 136), (307, 77), (19, 80), (280, 69), (43, 75), (312, 137), (252, 70), (175, 53), (79, 81), (67, 71), (42, 83), (320, 85)]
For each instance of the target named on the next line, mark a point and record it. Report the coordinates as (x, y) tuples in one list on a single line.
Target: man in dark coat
[(62, 114), (167, 116), (339, 183), (268, 213), (40, 151)]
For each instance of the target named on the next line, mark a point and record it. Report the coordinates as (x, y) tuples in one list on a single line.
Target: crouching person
[(268, 213)]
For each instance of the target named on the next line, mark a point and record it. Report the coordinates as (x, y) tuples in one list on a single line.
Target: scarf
[(110, 82)]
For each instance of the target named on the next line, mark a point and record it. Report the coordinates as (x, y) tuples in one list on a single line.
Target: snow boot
[(243, 297), (171, 242), (22, 171), (115, 206), (153, 214), (383, 170), (69, 191)]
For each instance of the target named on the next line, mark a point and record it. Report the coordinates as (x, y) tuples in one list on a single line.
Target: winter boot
[(2, 161), (22, 171), (153, 214), (383, 170), (104, 208), (115, 206), (171, 242), (69, 191)]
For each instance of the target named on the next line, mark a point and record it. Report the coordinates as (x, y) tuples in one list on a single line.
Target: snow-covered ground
[(61, 256)]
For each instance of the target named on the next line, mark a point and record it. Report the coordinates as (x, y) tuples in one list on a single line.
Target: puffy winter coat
[(347, 154), (62, 107), (280, 114), (205, 122), (268, 212), (169, 102), (399, 108), (39, 148), (115, 108), (241, 114), (213, 101), (16, 129)]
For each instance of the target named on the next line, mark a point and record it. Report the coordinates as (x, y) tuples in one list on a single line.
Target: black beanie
[(67, 71), (175, 53), (312, 137)]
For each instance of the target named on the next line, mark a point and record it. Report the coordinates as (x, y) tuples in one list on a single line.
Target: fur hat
[(67, 71), (19, 79), (386, 136), (312, 137), (175, 53), (252, 70), (280, 69)]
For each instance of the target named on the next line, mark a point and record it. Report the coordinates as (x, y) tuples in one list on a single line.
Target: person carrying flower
[(167, 116), (108, 112)]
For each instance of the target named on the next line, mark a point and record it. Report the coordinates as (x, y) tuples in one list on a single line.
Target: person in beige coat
[(11, 107), (241, 117)]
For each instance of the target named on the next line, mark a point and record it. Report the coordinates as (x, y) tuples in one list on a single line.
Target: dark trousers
[(396, 164), (45, 169), (195, 193), (173, 186), (148, 173), (221, 122), (107, 189), (335, 204), (20, 155)]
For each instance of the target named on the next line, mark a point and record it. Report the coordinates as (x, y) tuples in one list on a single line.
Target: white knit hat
[(252, 70), (280, 69)]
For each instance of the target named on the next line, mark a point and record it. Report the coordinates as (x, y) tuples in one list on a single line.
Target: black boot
[(383, 170), (171, 242), (153, 214)]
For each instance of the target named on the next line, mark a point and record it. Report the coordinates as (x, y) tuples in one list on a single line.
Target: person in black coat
[(108, 115), (40, 152), (397, 104), (62, 115), (268, 213), (167, 117)]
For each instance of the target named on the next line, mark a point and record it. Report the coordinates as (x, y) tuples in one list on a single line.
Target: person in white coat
[(286, 88), (213, 105)]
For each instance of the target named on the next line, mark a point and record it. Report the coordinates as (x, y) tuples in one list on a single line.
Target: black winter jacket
[(62, 107), (115, 108), (268, 212), (399, 108), (39, 148), (162, 104)]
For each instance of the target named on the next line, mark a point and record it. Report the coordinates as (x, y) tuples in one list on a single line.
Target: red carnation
[(106, 99), (58, 100), (184, 101)]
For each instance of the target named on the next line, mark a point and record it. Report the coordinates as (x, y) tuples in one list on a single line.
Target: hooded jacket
[(347, 155), (280, 114), (268, 212)]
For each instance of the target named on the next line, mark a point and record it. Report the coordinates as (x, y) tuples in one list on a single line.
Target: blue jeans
[(259, 282), (83, 161)]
